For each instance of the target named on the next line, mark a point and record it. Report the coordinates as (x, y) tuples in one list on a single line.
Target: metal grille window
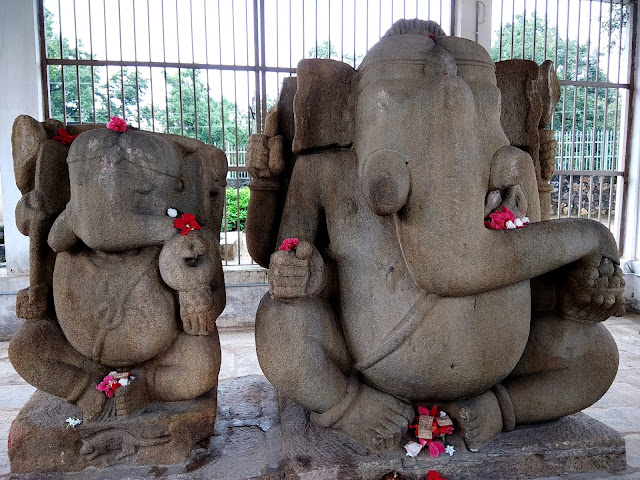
[(207, 69), (589, 43)]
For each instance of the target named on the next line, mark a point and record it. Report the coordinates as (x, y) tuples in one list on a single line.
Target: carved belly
[(458, 347), (114, 308)]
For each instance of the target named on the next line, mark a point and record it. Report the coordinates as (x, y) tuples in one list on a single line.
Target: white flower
[(73, 421), (510, 225), (519, 222), (450, 450), (525, 220), (443, 414), (172, 212), (124, 381)]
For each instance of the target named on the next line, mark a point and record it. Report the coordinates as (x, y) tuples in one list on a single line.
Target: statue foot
[(91, 402), (477, 418), (376, 419), (134, 397)]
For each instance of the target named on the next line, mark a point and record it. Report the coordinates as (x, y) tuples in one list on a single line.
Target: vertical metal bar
[(135, 56), (64, 88), (600, 187), (570, 194), (632, 36), (193, 74), (221, 83), (206, 59), (44, 70), (501, 29), (535, 30), (263, 61), (124, 113), (164, 58), (367, 24), (153, 121), (179, 71), (577, 42), (93, 86), (513, 20), (75, 31), (329, 21), (354, 31), (524, 27), (256, 51), (546, 28), (566, 44), (559, 210), (106, 54)]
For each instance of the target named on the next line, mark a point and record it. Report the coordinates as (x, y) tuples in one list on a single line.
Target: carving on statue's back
[(115, 285), (398, 294)]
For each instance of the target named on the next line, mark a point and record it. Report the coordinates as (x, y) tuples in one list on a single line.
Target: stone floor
[(619, 408)]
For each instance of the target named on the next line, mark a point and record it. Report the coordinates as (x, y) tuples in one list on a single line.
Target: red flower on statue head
[(186, 223), (117, 124), (64, 137)]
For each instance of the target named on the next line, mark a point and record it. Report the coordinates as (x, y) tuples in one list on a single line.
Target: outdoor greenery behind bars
[(590, 119)]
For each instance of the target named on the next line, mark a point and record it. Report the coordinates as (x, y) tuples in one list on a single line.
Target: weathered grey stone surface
[(116, 285), (529, 95), (259, 436), (398, 295), (576, 443), (164, 433)]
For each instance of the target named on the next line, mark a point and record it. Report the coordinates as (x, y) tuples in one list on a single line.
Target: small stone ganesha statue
[(126, 284), (403, 279)]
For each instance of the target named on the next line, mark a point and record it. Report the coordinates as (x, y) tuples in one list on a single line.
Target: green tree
[(188, 112), (85, 95), (572, 62), (323, 51)]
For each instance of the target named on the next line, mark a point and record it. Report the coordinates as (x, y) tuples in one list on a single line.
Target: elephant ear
[(204, 173), (324, 106)]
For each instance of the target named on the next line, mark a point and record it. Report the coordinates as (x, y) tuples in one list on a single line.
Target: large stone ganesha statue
[(117, 283), (404, 289)]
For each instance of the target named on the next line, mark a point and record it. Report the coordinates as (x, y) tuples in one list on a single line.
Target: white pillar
[(630, 235), (473, 21), (20, 84)]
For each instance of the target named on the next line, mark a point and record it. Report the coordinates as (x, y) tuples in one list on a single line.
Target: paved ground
[(619, 408)]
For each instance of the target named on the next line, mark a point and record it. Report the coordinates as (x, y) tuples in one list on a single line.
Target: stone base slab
[(259, 436), (41, 441)]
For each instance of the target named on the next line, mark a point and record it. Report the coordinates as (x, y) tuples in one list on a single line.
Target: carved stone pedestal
[(41, 441), (258, 436)]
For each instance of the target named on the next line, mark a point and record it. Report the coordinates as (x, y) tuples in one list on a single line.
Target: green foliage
[(124, 86), (572, 62), (323, 51), (204, 116), (236, 208)]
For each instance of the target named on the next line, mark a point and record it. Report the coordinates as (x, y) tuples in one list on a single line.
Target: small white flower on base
[(413, 449), (450, 450), (124, 382), (73, 421), (510, 225), (443, 414), (172, 212)]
